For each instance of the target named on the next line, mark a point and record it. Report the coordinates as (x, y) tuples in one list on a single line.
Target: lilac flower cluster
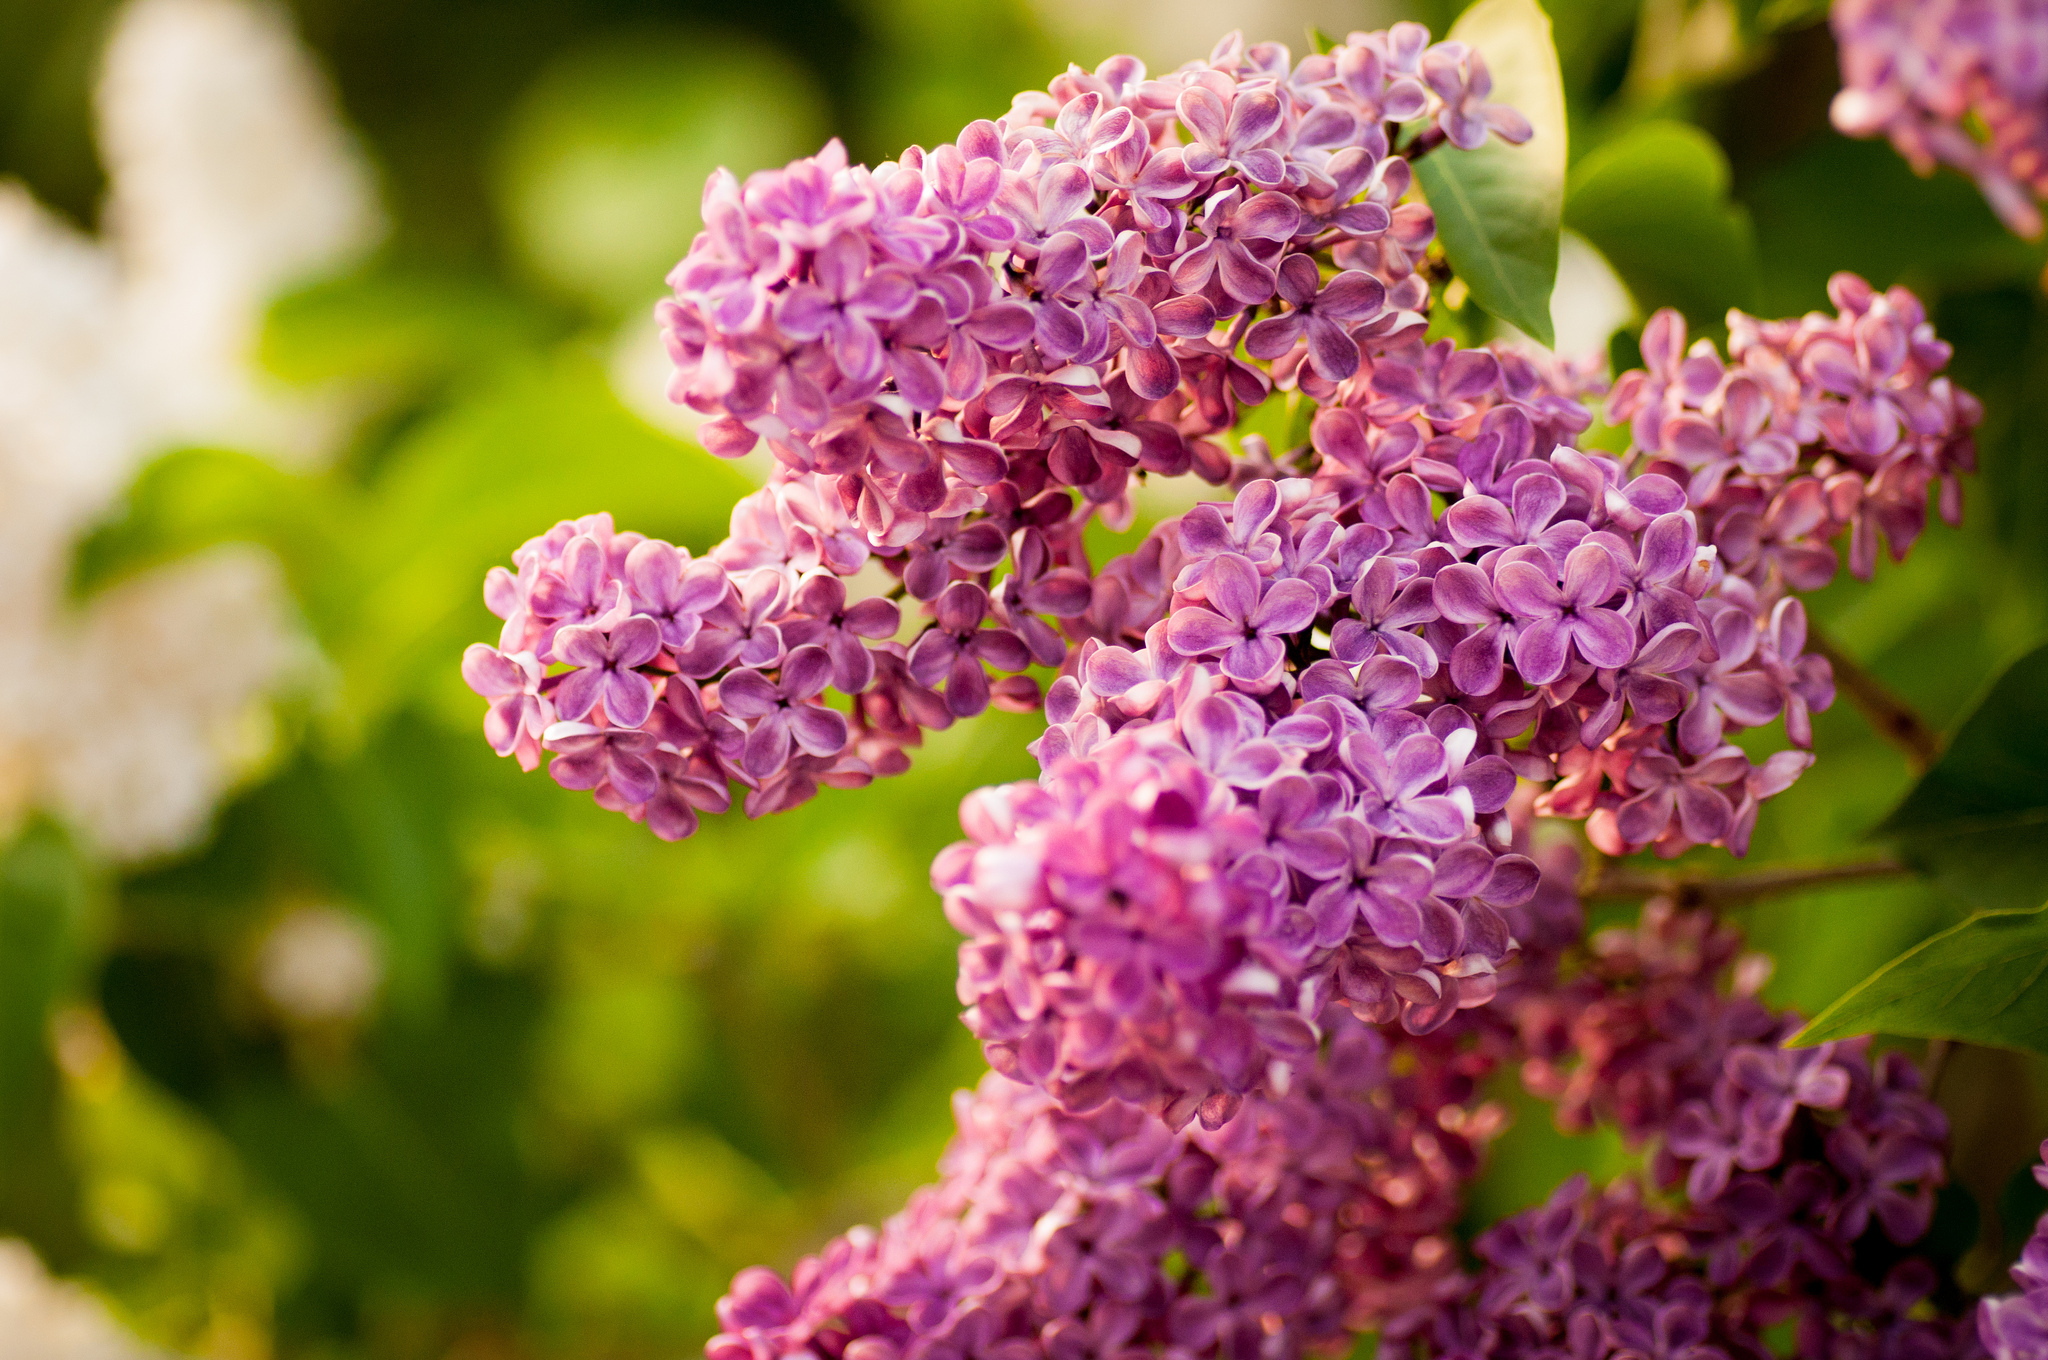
[(2015, 1326), (1813, 429), (1290, 794), (835, 311), (1286, 728), (1953, 82), (1805, 1181), (944, 352), (1166, 919), (1294, 741), (1061, 1235), (941, 351), (1795, 1165)]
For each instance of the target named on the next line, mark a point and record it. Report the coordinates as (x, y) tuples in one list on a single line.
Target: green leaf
[(1498, 209), (405, 327), (192, 499), (1838, 203), (1984, 981), (604, 161), (1978, 820), (2001, 355), (1655, 203), (45, 900)]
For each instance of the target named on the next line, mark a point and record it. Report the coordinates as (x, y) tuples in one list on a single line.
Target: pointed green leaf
[(1498, 209), (46, 901), (1978, 820), (1984, 981)]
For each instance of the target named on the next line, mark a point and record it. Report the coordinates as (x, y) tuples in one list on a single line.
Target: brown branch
[(1888, 715), (1734, 890)]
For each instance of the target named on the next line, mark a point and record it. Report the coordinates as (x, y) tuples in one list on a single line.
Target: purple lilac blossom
[(1953, 82), (1775, 1177), (1328, 1210), (1295, 717), (1053, 1235), (2015, 1326)]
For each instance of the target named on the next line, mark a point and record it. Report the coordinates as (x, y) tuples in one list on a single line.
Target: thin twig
[(1888, 715), (1422, 143), (1735, 890)]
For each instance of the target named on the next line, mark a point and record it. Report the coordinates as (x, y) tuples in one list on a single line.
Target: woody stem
[(1735, 890), (1888, 715)]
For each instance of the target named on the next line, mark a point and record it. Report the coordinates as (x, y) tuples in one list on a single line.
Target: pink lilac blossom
[(2015, 1326), (1953, 82), (1062, 1235), (1329, 1209), (1284, 729)]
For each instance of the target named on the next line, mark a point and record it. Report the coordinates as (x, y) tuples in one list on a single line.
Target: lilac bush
[(1061, 1234), (1242, 953)]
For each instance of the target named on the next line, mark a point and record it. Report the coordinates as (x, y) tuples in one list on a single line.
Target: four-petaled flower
[(1235, 233), (1247, 626), (780, 711), (1324, 314), (956, 647), (825, 619), (1230, 132), (1557, 621), (605, 671)]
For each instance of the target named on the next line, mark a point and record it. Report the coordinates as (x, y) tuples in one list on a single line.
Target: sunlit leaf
[(191, 499), (548, 441), (1984, 981), (45, 894), (605, 160), (1498, 208)]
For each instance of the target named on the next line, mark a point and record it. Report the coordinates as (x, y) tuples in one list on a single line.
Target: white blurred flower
[(230, 177), (47, 1319), (320, 965)]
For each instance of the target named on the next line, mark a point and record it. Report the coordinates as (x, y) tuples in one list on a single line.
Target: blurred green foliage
[(602, 1073)]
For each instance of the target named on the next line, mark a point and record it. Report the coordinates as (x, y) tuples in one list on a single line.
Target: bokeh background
[(325, 1034)]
